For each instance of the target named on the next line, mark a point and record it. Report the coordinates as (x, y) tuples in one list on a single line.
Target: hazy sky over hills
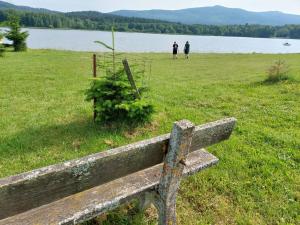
[(288, 6)]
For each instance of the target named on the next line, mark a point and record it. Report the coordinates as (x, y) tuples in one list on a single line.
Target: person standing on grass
[(187, 49), (175, 50)]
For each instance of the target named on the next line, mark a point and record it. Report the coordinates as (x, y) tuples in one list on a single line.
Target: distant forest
[(90, 20)]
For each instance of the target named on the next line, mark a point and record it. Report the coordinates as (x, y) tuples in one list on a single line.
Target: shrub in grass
[(2, 49), (278, 72), (15, 34), (115, 99)]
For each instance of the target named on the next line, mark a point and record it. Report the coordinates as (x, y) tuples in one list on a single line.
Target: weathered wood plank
[(30, 190), (39, 187), (212, 133), (179, 147), (93, 202)]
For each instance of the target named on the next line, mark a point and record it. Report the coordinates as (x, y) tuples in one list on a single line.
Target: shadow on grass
[(128, 214), (267, 82), (70, 135)]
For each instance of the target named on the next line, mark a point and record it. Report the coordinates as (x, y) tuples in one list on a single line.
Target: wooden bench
[(79, 190)]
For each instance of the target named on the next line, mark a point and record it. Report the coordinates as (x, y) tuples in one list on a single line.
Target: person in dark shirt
[(175, 50), (187, 49)]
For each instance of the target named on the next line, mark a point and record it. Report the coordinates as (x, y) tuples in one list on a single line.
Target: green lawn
[(44, 120)]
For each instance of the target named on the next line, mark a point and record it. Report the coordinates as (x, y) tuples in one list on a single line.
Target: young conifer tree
[(114, 96), (15, 33), (2, 49)]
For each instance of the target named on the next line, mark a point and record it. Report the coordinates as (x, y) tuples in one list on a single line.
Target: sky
[(288, 6)]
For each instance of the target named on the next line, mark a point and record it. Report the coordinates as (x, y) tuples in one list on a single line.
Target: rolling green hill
[(217, 15), (7, 6)]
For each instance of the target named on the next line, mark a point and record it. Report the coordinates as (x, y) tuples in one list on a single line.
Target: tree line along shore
[(100, 21)]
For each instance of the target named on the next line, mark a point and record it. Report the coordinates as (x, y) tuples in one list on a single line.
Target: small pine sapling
[(15, 34), (2, 49), (115, 99)]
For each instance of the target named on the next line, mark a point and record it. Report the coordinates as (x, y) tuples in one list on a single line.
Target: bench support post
[(146, 200), (174, 163)]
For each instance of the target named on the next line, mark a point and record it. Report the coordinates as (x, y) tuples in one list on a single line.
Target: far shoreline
[(136, 32), (159, 53)]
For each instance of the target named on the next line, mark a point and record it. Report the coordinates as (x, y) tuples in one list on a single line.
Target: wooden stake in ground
[(130, 78)]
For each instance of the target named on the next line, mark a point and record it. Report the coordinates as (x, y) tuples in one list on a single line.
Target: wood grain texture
[(179, 147), (26, 191), (93, 202)]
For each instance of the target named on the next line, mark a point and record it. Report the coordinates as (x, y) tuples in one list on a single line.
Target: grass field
[(44, 120)]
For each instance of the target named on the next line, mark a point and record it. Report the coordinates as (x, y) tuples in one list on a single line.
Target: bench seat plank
[(36, 188), (90, 203)]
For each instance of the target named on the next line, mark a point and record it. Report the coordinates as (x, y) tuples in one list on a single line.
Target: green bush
[(15, 34), (2, 50), (116, 100), (278, 72)]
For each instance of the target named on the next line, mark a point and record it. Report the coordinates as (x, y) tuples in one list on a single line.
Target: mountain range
[(6, 6), (216, 15)]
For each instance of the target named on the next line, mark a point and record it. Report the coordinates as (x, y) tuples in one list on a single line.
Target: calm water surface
[(80, 40)]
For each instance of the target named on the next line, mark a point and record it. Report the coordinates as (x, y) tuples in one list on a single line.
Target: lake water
[(80, 40)]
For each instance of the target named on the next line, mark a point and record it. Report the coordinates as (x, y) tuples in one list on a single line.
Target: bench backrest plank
[(39, 187)]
